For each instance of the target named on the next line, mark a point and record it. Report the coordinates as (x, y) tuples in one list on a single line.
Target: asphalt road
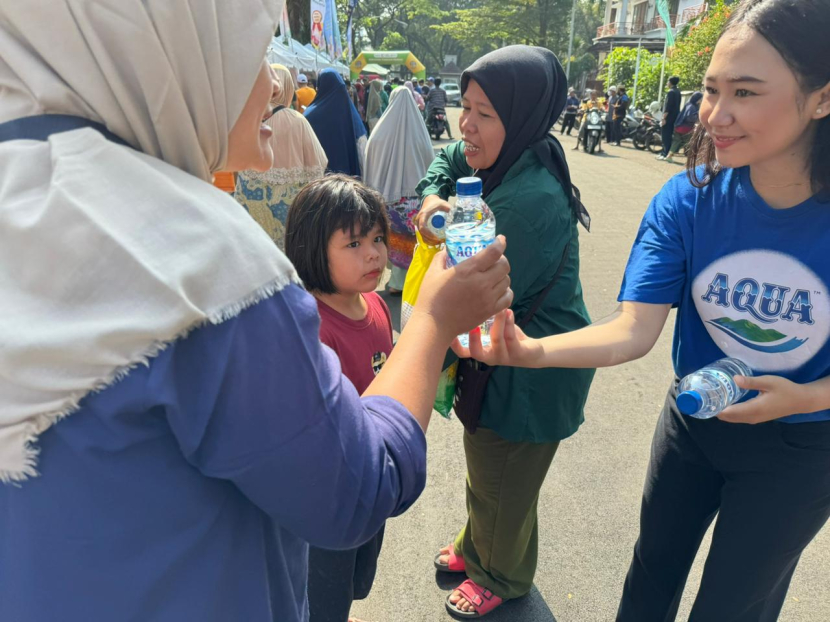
[(589, 504)]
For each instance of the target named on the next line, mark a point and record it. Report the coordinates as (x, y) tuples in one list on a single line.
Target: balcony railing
[(634, 28), (657, 23), (692, 12)]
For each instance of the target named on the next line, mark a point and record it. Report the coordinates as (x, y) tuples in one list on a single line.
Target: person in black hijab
[(528, 104), (511, 100)]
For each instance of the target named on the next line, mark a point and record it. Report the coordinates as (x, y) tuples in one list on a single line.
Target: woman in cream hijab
[(374, 105), (298, 159), (172, 432)]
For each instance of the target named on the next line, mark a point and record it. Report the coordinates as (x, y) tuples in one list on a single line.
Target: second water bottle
[(706, 392)]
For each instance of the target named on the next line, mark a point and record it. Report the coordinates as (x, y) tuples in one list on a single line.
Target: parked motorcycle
[(437, 123), (593, 130), (630, 125), (654, 140), (648, 124)]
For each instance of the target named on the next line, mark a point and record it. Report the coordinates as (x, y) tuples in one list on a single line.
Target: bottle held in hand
[(470, 229), (437, 225), (708, 391)]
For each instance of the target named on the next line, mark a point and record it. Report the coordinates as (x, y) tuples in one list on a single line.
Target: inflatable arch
[(403, 57)]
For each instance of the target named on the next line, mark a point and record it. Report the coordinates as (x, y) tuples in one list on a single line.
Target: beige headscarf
[(298, 155), (108, 254)]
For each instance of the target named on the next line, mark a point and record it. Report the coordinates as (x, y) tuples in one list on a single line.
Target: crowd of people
[(203, 415), (676, 121)]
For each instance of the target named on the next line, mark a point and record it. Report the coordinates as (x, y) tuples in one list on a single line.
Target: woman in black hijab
[(511, 99)]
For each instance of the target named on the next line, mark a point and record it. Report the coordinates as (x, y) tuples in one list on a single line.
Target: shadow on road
[(598, 154), (530, 608)]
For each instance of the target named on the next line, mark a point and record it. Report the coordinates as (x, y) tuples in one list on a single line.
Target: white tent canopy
[(295, 55)]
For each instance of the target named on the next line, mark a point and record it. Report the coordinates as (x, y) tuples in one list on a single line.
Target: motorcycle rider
[(592, 103), (437, 99)]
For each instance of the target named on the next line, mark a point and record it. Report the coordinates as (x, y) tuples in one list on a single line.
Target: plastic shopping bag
[(421, 259)]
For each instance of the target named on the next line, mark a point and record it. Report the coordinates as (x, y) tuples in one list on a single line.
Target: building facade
[(630, 23)]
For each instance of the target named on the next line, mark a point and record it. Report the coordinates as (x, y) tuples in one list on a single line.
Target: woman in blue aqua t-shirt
[(740, 247)]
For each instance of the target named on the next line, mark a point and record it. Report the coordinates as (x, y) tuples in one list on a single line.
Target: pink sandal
[(482, 600), (456, 563)]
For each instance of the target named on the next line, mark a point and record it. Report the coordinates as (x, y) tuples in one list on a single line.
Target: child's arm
[(627, 334)]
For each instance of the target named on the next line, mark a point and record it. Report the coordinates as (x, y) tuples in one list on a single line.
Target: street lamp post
[(571, 42)]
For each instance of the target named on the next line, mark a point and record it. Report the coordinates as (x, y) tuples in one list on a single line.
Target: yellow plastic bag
[(421, 259)]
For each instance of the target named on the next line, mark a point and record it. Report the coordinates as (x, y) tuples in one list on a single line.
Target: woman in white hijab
[(160, 368), (298, 159), (397, 158)]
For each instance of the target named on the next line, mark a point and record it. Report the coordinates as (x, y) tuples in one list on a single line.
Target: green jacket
[(532, 212)]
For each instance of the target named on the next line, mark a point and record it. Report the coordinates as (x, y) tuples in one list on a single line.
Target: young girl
[(336, 238), (740, 247)]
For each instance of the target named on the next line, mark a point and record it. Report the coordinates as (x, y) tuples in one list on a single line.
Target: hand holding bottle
[(508, 345), (463, 296), (777, 397), (431, 205)]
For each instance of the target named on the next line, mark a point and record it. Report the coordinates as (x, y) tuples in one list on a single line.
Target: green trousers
[(500, 541)]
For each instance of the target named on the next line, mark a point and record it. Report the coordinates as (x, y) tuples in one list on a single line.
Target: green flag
[(663, 9)]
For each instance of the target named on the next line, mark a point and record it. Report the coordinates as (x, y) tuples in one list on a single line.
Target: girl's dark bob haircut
[(800, 31), (325, 206)]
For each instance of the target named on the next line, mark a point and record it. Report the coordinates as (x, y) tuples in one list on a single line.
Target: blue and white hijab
[(107, 253)]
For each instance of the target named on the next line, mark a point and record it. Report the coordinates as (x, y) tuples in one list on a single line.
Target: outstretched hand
[(508, 345), (463, 296), (778, 397)]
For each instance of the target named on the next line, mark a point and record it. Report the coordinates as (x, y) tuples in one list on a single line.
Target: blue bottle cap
[(689, 402), (438, 220), (468, 187)]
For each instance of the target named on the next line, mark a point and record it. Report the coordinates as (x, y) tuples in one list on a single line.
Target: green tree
[(494, 23), (691, 55), (491, 24), (407, 24), (620, 67), (393, 41)]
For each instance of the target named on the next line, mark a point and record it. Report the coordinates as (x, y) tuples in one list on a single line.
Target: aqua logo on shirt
[(764, 307)]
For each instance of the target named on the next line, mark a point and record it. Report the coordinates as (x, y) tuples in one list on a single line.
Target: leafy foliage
[(491, 24), (619, 68), (432, 29), (688, 59), (393, 41), (693, 51)]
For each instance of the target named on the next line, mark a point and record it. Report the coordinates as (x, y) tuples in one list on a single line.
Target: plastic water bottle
[(708, 391), (471, 228), (437, 225)]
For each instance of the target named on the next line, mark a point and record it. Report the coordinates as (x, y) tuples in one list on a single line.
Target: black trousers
[(609, 131), (768, 484), (667, 133), (568, 122), (618, 130), (336, 578)]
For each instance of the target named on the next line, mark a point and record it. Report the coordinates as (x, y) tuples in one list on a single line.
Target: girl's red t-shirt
[(361, 345)]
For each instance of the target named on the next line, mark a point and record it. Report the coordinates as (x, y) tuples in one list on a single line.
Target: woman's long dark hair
[(798, 29)]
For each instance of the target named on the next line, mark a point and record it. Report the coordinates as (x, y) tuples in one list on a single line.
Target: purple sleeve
[(262, 403)]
